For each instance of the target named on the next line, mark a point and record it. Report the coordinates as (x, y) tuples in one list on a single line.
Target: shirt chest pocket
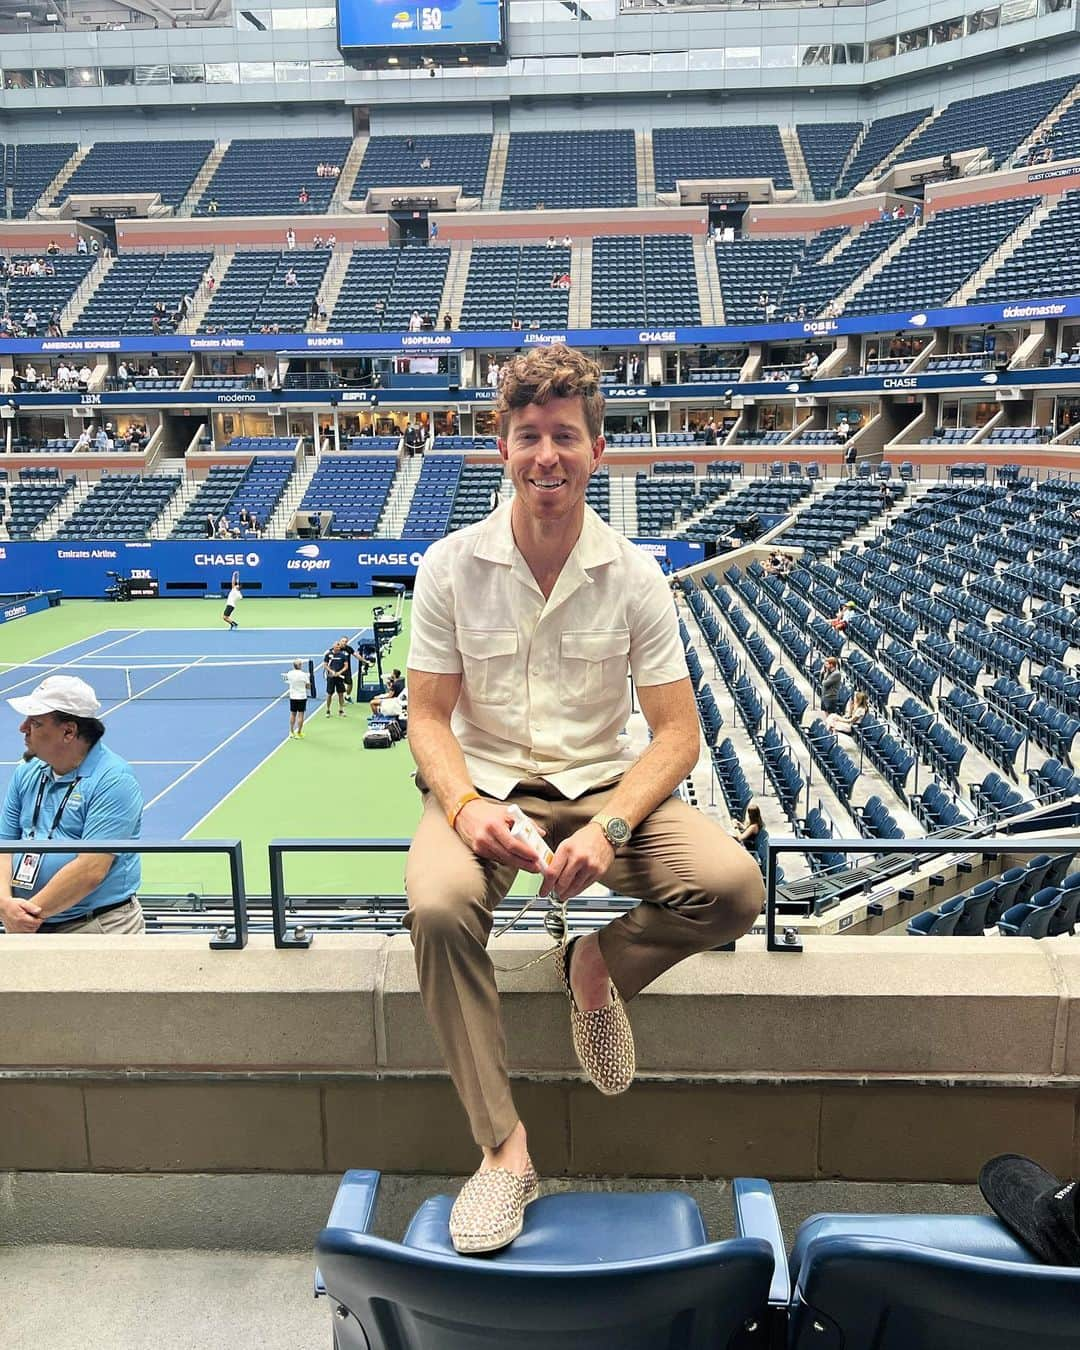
[(590, 662), (489, 663)]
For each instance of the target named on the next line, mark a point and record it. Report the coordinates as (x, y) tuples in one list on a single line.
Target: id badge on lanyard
[(25, 875)]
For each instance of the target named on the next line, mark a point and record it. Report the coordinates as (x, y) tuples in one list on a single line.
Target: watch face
[(617, 830)]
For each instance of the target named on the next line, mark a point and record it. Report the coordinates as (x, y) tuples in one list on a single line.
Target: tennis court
[(201, 713)]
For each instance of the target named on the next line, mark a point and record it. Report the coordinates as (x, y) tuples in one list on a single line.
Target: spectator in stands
[(415, 439), (212, 207), (885, 496), (210, 525), (551, 243), (493, 374), (290, 239), (187, 304), (313, 311), (608, 814), (95, 247), (916, 213), (843, 430), (57, 892), (245, 518), (85, 438), (410, 143), (63, 374), (567, 242), (839, 621), (425, 163), (561, 281), (317, 241), (80, 245), (416, 321), (433, 231), (331, 240), (809, 366), (320, 170), (515, 324), (830, 684), (30, 320), (136, 435), (770, 311), (259, 375), (303, 196), (223, 531), (448, 320), (86, 375), (748, 829), (123, 376), (152, 372), (30, 377), (256, 526), (291, 278), (102, 440), (379, 307), (857, 708), (53, 249)]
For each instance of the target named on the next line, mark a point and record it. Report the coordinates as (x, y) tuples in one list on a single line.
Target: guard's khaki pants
[(699, 889)]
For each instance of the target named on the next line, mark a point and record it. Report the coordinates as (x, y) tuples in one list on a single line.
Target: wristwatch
[(616, 830)]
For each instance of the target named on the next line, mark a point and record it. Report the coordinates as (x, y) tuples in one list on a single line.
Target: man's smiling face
[(550, 456)]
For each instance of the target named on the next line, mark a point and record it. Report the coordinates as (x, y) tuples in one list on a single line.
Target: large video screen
[(390, 23)]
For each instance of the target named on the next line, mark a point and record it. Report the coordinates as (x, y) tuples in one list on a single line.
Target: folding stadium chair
[(595, 1271)]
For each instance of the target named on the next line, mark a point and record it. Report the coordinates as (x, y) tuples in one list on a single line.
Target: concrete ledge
[(867, 1059)]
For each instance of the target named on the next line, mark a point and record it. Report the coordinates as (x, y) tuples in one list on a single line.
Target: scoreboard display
[(387, 24)]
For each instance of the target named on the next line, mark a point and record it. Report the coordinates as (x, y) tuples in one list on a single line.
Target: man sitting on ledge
[(524, 630)]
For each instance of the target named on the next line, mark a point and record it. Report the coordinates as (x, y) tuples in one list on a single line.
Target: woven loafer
[(603, 1039), (490, 1209)]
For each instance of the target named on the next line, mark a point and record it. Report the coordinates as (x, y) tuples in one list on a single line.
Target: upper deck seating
[(44, 293), (687, 153), (433, 497), (998, 121), (882, 137), (570, 169), (940, 256), (641, 281), (507, 281), (403, 279), (253, 293), (815, 286), (32, 499), (125, 300), (263, 177), (472, 501), (825, 147), (29, 168), (165, 167), (750, 268), (456, 159)]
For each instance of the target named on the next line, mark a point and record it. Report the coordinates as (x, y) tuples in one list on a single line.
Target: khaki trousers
[(699, 889)]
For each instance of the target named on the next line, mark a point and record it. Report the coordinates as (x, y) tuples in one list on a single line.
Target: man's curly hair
[(551, 372)]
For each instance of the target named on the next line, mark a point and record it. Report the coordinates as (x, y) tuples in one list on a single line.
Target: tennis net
[(198, 680)]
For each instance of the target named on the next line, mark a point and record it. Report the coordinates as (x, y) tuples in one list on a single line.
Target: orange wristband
[(460, 805)]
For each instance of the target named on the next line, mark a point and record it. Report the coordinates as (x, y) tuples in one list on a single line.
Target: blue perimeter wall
[(277, 567)]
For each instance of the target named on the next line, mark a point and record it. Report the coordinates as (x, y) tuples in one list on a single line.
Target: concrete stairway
[(800, 174), (1002, 253), (855, 148), (331, 284), (219, 266), (178, 502), (72, 311), (623, 503), (496, 172), (457, 276), (210, 166), (646, 175), (292, 496), (58, 181), (881, 261), (396, 510), (349, 171), (708, 282), (580, 312), (896, 155)]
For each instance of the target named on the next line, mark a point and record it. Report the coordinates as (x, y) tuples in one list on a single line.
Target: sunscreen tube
[(525, 830)]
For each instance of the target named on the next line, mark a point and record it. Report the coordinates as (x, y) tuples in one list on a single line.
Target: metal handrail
[(298, 937), (224, 940), (790, 941)]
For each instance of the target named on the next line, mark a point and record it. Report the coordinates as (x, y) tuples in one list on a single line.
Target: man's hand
[(579, 860), (485, 827), (20, 916)]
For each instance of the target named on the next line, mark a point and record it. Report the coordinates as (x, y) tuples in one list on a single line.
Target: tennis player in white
[(232, 600)]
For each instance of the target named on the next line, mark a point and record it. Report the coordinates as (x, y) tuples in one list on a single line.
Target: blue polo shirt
[(105, 803)]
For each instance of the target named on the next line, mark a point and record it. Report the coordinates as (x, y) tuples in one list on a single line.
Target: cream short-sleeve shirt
[(544, 690)]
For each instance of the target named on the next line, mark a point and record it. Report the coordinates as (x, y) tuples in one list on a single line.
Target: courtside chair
[(590, 1271)]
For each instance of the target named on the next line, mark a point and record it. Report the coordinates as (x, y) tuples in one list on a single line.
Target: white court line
[(70, 661), (220, 746), (143, 692)]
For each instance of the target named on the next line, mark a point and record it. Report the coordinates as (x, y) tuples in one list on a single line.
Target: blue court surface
[(192, 723)]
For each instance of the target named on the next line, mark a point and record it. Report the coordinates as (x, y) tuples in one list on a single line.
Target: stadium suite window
[(256, 72), (223, 72), (292, 72), (303, 18), (882, 49), (84, 77), (152, 75), (984, 20), (188, 74), (328, 70), (115, 76)]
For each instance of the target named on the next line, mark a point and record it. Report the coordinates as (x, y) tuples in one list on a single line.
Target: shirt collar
[(596, 544), (83, 770)]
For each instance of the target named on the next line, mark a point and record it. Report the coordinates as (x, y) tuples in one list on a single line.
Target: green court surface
[(325, 786)]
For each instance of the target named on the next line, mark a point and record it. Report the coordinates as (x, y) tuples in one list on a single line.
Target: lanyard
[(42, 785)]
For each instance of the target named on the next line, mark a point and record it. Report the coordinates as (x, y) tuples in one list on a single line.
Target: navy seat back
[(1034, 876), (880, 1293), (595, 1271), (973, 918)]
